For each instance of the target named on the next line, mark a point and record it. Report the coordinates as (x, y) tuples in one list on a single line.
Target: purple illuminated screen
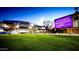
[(64, 22)]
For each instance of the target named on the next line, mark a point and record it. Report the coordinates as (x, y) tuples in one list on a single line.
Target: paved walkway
[(66, 34)]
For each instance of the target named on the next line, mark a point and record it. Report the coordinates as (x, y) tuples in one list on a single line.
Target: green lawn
[(39, 42)]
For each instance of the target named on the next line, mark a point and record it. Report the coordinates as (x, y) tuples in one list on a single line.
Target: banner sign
[(64, 22)]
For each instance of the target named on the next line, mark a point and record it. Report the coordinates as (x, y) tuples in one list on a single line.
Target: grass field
[(39, 42)]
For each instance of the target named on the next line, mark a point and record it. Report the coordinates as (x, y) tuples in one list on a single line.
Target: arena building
[(67, 24)]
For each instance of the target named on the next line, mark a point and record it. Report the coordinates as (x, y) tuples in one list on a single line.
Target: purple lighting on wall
[(64, 22)]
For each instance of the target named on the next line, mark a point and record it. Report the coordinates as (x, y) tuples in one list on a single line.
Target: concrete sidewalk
[(65, 34)]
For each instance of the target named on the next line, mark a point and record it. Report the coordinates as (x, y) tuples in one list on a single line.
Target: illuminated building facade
[(12, 25), (68, 24)]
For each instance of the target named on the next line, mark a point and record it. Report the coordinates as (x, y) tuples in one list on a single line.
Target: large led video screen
[(64, 22)]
